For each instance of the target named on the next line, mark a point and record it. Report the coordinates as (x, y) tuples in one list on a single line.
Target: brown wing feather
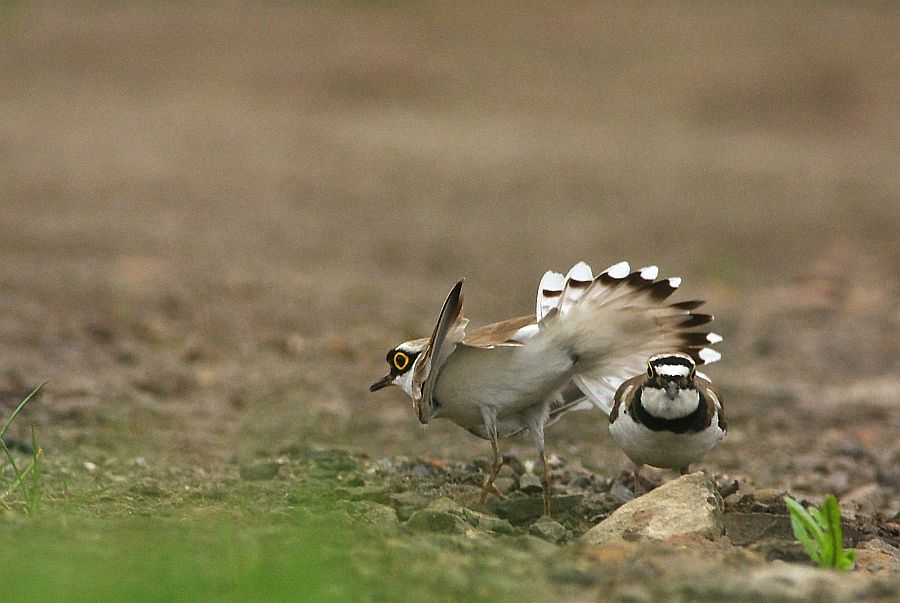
[(619, 399), (497, 333), (714, 404)]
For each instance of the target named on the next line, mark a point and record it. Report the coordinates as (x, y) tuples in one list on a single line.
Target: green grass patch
[(151, 560), (24, 481), (64, 559)]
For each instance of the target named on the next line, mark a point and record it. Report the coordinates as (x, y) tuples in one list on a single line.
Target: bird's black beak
[(383, 383), (671, 390)]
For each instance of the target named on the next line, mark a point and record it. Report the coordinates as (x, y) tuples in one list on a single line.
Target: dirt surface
[(215, 221)]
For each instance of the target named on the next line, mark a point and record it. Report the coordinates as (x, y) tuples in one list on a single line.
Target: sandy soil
[(215, 221)]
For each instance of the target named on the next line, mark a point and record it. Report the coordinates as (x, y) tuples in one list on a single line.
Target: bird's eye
[(650, 371), (400, 360), (693, 372)]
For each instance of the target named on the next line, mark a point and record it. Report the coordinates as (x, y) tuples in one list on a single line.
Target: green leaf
[(805, 529), (20, 407), (832, 513), (849, 560), (819, 531), (802, 535), (826, 540)]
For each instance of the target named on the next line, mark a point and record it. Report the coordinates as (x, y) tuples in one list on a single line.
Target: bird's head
[(401, 361), (671, 372)]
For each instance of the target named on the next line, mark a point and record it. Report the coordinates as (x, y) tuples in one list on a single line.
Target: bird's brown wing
[(624, 395), (499, 333), (714, 402)]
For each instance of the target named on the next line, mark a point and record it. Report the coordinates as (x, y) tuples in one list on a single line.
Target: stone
[(548, 529), (746, 528), (486, 522), (445, 505), (507, 471), (866, 499), (380, 515), (505, 484), (620, 493), (373, 493), (687, 506), (524, 510), (370, 512), (769, 497), (408, 499), (429, 520), (877, 556), (530, 484)]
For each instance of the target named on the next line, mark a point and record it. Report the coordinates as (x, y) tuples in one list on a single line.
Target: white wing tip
[(675, 282), (620, 270), (552, 281), (649, 273), (581, 272), (713, 337), (709, 355)]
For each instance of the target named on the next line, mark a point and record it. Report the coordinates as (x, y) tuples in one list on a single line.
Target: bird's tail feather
[(610, 324)]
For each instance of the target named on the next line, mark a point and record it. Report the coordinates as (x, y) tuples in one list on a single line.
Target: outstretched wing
[(613, 322), (448, 332)]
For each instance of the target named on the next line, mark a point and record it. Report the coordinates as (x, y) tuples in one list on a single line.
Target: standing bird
[(668, 417), (587, 336)]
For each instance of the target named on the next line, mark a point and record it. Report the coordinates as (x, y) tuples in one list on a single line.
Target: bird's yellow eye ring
[(693, 372), (401, 361), (650, 371)]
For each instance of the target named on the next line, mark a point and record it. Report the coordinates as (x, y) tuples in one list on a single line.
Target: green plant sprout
[(819, 531), (26, 480)]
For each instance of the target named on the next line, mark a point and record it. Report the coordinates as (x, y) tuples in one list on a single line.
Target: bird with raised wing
[(587, 336)]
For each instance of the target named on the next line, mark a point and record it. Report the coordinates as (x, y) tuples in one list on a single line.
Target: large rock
[(687, 506)]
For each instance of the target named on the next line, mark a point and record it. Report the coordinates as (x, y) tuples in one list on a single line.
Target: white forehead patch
[(672, 370), (411, 347)]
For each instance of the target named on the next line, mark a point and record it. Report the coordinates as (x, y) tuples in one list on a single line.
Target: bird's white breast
[(658, 403), (663, 449)]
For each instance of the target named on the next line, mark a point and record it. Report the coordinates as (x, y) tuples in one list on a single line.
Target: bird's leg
[(637, 478), (537, 419), (490, 422), (489, 487), (545, 482)]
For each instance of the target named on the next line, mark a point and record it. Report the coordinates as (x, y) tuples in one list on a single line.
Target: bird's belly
[(663, 449), (500, 380), (463, 414)]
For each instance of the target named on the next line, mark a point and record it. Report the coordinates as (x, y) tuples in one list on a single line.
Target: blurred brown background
[(216, 218)]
